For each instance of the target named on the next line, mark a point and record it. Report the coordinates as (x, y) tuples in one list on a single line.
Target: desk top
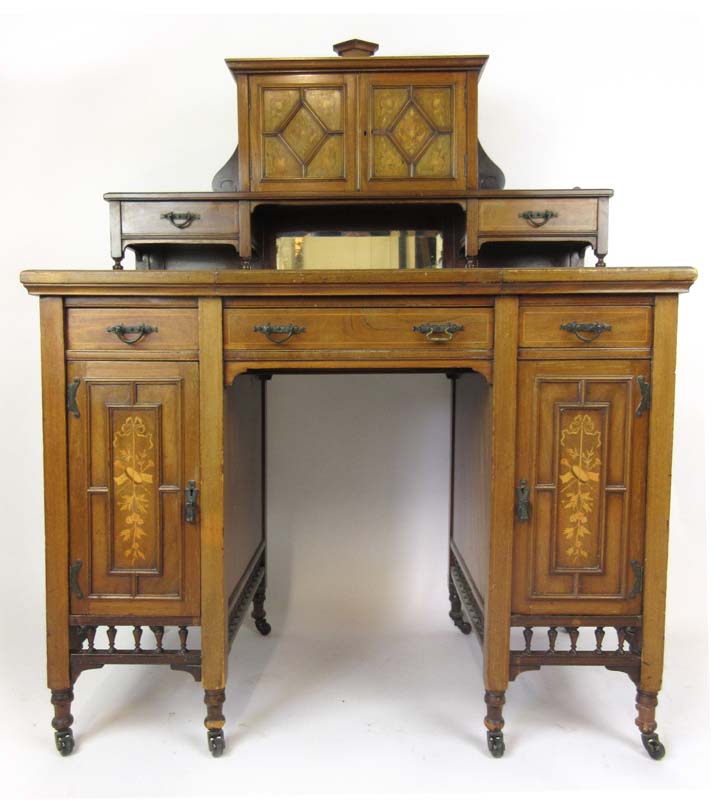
[(460, 282)]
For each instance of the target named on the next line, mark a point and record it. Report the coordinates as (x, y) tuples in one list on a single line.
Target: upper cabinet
[(357, 123)]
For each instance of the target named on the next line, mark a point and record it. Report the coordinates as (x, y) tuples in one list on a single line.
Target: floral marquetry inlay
[(134, 501), (412, 132), (579, 476)]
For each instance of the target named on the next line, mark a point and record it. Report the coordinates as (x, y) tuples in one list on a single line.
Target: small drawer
[(298, 329), (538, 217), (584, 326), (133, 329), (179, 219)]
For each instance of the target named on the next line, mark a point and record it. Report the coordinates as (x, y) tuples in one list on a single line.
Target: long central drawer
[(338, 329)]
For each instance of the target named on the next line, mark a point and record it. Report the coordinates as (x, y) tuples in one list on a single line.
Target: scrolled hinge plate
[(645, 400), (72, 389), (638, 571)]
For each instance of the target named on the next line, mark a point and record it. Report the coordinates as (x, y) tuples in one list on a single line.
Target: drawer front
[(359, 329), (586, 326), (172, 329), (168, 220), (538, 217)]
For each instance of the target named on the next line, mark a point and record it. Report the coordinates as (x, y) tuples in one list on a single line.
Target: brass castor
[(64, 741), (653, 746), (216, 742), (263, 626), (495, 740)]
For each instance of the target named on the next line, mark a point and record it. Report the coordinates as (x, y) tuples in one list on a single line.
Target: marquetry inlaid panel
[(301, 131), (413, 126), (134, 447), (582, 450)]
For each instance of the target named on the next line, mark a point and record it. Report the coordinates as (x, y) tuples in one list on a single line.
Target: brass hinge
[(72, 389), (645, 400), (638, 570)]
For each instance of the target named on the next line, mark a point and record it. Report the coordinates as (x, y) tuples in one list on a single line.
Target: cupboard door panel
[(135, 447), (582, 450), (303, 133), (414, 131)]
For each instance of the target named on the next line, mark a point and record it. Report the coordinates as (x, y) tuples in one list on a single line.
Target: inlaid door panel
[(302, 133), (413, 131), (582, 449), (134, 447)]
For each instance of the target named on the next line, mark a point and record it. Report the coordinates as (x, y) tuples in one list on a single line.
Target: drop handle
[(438, 331), (136, 332), (180, 220), (594, 329), (536, 219), (279, 334)]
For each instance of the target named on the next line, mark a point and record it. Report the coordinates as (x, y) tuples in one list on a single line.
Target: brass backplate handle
[(191, 494), (135, 331), (74, 579), (180, 220), (278, 334), (438, 331), (72, 390), (638, 571), (537, 218), (594, 329), (645, 400), (523, 501)]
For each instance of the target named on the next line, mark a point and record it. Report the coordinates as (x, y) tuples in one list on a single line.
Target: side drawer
[(585, 326), (360, 329), (538, 217), (179, 219), (172, 329)]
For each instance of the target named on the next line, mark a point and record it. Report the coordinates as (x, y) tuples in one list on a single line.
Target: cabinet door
[(302, 133), (414, 131), (582, 448), (133, 448)]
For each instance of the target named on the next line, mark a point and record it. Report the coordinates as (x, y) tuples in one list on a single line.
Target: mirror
[(358, 249)]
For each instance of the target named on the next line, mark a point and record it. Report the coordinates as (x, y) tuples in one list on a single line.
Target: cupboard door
[(414, 131), (582, 448), (302, 133), (134, 446)]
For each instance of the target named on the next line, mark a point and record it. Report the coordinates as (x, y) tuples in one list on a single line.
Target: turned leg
[(215, 721), (455, 613), (62, 721), (646, 704), (258, 613), (494, 722)]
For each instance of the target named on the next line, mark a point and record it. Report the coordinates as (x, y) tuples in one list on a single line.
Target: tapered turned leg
[(62, 721), (494, 722), (646, 705), (215, 721), (455, 613), (258, 613)]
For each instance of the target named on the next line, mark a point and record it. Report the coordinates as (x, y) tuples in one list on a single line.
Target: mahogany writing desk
[(562, 385)]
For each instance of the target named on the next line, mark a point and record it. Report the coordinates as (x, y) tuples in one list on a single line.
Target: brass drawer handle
[(180, 220), (138, 332), (438, 331), (537, 219), (278, 334), (593, 328)]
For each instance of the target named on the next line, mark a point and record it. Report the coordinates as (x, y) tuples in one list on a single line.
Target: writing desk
[(563, 394)]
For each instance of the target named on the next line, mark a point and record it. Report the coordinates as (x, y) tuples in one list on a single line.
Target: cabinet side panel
[(471, 477), (56, 510), (244, 461)]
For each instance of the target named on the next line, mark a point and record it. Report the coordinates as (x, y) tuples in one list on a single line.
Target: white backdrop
[(363, 686)]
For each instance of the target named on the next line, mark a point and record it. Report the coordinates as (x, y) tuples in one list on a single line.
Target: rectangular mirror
[(358, 249)]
